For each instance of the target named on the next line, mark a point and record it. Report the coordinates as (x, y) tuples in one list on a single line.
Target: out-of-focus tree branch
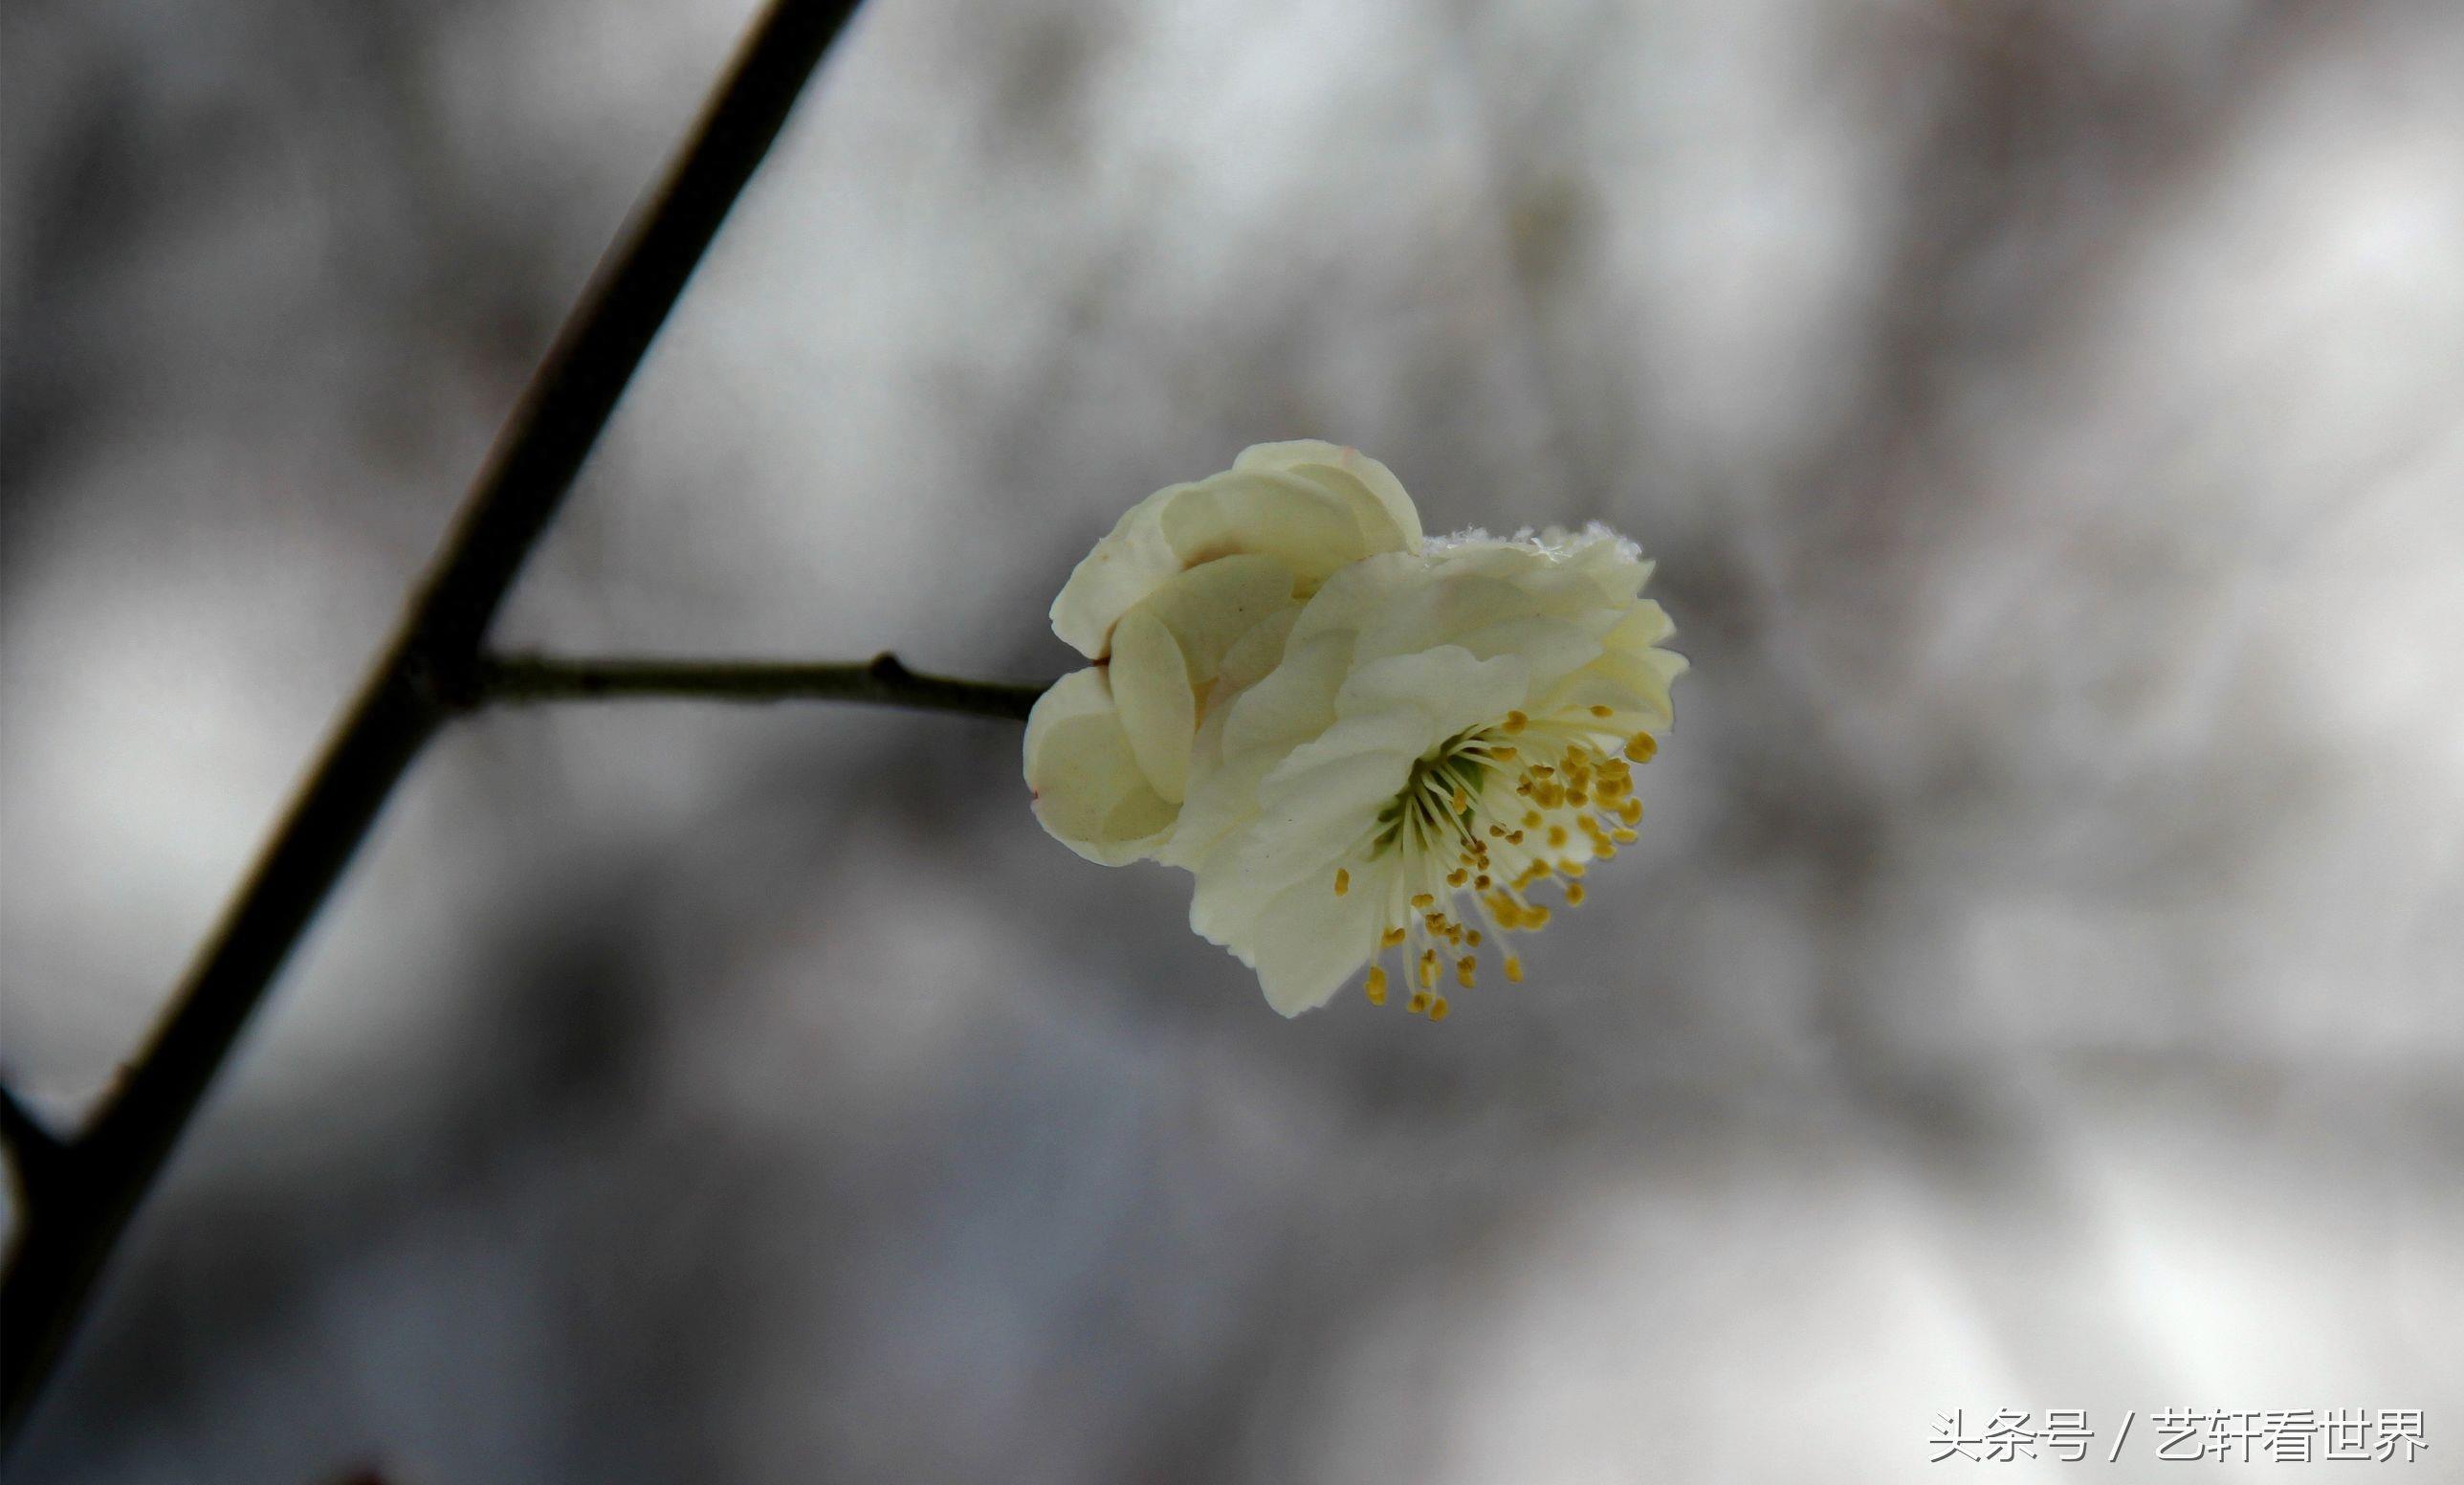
[(881, 681), (80, 1191), (33, 1150)]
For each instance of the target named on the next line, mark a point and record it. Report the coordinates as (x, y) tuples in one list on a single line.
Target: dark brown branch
[(881, 681), (69, 1227), (33, 1150)]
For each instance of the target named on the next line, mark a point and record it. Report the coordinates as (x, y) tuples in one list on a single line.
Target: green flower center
[(1439, 797)]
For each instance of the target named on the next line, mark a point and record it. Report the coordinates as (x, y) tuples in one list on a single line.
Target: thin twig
[(881, 681), (33, 1150), (66, 1233)]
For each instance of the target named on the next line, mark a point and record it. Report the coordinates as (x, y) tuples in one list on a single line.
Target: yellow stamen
[(1603, 712), (1437, 1009), (1516, 722), (1640, 747), (1342, 881), (1376, 984), (1422, 900), (1574, 894)]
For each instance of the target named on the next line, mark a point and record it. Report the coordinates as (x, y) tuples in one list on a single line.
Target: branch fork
[(77, 1192)]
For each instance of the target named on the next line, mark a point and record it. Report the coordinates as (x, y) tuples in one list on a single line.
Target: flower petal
[(1240, 510), (1125, 566), (1299, 936), (1090, 792), (1212, 605), (1320, 942), (1254, 656), (1448, 687), (1346, 471), (1159, 708), (1645, 624), (1294, 702), (1260, 885)]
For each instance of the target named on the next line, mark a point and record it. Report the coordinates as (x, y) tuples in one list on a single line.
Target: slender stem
[(881, 681), (33, 1150), (72, 1220)]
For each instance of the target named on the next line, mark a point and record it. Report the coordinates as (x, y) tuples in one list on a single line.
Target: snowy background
[(2037, 987)]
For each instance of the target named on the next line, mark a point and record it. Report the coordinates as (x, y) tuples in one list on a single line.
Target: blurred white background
[(2037, 985)]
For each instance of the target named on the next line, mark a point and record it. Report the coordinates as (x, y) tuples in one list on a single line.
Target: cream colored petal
[(1354, 596), (1644, 625), (1311, 505), (1309, 456), (1378, 528), (1269, 696), (1294, 702), (1125, 566), (1212, 605), (1301, 939), (1254, 654), (1223, 798), (1318, 941), (1317, 705), (1634, 686), (1265, 513), (1486, 593), (1379, 531), (1311, 820), (1265, 889), (1222, 790), (1452, 601), (1611, 564), (1159, 708), (1449, 687), (1550, 648), (1664, 666), (1089, 789)]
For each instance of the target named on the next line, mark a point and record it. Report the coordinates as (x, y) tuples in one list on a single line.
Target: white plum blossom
[(1391, 753), (1197, 577)]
